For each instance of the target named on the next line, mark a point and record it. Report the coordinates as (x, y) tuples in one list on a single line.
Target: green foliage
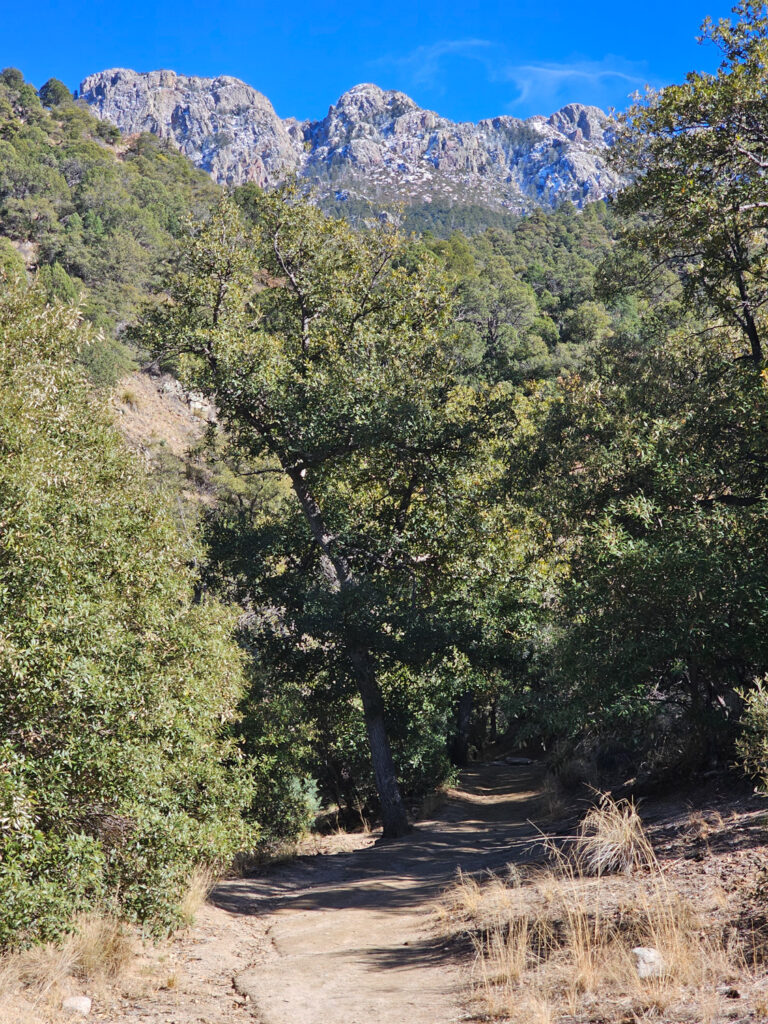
[(527, 465), (105, 360), (328, 355), (444, 220), (12, 77), (57, 285), (12, 266), (526, 298), (100, 218), (665, 505), (696, 155), (117, 773), (753, 743), (54, 93), (311, 726)]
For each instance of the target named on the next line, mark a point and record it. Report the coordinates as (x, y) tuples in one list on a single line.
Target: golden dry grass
[(33, 982), (561, 944), (199, 885), (100, 948), (611, 838)]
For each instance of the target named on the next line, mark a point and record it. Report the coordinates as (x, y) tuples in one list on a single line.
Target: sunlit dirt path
[(347, 937), (351, 937)]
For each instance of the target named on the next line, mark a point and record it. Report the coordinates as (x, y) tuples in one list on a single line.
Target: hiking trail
[(348, 936)]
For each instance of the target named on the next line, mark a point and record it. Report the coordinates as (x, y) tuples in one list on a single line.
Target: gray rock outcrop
[(373, 144), (221, 124)]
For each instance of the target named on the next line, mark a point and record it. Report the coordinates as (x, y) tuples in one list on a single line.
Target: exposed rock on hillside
[(221, 124), (372, 144)]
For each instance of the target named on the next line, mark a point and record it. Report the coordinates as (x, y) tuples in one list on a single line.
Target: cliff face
[(221, 124), (372, 144)]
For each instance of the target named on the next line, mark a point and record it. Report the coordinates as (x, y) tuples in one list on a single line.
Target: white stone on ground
[(77, 1005), (650, 962)]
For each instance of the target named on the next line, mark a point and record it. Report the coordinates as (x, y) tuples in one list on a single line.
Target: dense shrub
[(753, 743), (117, 773)]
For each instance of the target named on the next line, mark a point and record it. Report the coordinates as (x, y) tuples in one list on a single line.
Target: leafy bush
[(118, 771), (11, 264), (753, 742)]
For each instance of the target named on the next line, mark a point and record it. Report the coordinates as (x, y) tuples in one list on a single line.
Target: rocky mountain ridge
[(373, 144)]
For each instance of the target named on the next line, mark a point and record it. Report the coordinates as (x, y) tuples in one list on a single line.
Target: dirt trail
[(347, 936)]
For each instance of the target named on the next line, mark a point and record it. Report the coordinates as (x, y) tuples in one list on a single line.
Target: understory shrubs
[(119, 770)]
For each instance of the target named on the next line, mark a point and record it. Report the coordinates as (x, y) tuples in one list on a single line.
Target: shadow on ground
[(482, 825)]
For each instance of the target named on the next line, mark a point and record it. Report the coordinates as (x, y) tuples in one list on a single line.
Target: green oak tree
[(328, 355), (695, 154)]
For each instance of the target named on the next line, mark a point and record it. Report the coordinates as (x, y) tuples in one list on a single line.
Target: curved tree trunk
[(393, 813), (747, 321)]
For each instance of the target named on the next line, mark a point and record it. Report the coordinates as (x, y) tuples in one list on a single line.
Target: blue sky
[(466, 60)]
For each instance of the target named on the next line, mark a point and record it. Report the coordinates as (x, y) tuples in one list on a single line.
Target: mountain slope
[(373, 144), (91, 213)]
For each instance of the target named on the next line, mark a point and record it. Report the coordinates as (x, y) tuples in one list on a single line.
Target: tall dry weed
[(199, 885), (32, 982), (562, 943)]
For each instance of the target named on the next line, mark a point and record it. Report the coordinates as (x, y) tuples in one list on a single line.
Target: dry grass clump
[(199, 886), (611, 838), (561, 944), (99, 950), (701, 826), (130, 398)]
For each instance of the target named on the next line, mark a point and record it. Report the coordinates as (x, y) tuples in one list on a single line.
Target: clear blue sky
[(467, 60)]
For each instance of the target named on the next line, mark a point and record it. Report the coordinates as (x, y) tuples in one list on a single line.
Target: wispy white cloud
[(543, 86), (549, 83), (424, 65)]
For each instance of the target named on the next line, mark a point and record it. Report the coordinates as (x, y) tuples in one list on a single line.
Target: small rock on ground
[(77, 1005), (650, 963)]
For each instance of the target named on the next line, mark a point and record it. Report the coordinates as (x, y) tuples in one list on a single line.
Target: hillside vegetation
[(119, 771), (93, 212)]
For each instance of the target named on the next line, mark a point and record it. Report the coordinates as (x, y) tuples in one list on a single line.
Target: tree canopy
[(695, 154), (328, 355)]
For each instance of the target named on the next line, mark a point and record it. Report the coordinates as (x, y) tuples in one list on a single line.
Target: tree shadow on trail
[(483, 826)]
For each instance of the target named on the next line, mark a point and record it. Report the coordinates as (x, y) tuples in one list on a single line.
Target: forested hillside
[(501, 486), (92, 213)]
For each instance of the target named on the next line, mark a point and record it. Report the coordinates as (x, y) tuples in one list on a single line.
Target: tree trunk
[(754, 340), (750, 327), (393, 813), (460, 740)]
